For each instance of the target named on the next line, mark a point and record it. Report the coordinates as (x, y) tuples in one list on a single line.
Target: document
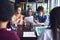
[(29, 19)]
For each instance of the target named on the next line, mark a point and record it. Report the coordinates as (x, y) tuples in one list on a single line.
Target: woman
[(55, 22), (28, 20), (29, 16), (17, 19)]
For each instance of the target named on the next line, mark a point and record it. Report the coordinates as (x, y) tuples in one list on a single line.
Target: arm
[(36, 22), (44, 18)]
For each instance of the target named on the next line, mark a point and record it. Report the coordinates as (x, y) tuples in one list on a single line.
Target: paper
[(29, 34), (29, 19)]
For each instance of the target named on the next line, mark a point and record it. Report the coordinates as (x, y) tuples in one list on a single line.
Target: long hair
[(55, 21), (28, 11)]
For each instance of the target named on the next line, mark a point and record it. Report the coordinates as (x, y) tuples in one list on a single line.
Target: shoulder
[(31, 16), (45, 16), (13, 35), (37, 16), (22, 16)]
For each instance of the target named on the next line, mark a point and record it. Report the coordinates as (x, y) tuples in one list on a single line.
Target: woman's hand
[(17, 19)]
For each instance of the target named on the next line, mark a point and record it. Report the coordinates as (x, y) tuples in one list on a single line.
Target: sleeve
[(45, 17), (36, 18)]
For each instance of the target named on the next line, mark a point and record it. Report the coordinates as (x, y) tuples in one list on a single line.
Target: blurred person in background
[(29, 15), (17, 18), (28, 19), (17, 21), (17, 15), (6, 12), (41, 18)]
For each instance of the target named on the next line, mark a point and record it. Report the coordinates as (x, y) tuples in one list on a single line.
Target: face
[(16, 14), (19, 10), (30, 12), (40, 13)]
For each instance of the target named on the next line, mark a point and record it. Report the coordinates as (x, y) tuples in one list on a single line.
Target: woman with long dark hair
[(55, 22)]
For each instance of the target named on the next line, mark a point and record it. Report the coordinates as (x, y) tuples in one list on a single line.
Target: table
[(20, 34)]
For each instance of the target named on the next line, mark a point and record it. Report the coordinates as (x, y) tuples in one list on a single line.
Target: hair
[(28, 10), (55, 18), (16, 7), (40, 8), (6, 10), (55, 21)]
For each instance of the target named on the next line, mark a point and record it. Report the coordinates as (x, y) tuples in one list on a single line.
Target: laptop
[(39, 30)]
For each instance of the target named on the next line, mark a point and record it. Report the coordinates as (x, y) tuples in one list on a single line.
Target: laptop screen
[(39, 30)]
